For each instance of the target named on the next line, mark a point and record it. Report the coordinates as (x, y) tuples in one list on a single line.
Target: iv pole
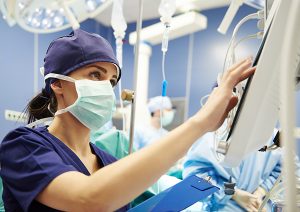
[(136, 59)]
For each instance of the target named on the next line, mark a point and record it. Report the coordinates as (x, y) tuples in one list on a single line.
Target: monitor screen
[(258, 111), (240, 106)]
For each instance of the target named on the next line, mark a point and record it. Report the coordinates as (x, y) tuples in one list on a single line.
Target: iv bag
[(117, 19), (167, 8)]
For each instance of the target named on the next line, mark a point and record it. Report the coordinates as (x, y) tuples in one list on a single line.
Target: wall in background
[(16, 61)]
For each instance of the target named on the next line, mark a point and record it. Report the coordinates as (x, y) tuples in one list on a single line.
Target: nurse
[(57, 168), (148, 133)]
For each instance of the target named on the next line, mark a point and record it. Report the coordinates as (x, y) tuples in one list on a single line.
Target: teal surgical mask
[(95, 103), (167, 117)]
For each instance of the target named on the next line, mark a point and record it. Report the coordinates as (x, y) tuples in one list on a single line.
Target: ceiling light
[(44, 16)]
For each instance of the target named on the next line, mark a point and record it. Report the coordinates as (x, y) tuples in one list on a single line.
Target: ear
[(157, 113), (56, 87)]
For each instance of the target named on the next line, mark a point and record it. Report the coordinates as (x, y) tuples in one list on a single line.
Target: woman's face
[(97, 71)]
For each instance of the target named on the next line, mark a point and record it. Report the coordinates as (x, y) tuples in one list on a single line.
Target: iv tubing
[(270, 193), (236, 29)]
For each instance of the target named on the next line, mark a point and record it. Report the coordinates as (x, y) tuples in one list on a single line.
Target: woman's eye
[(95, 75)]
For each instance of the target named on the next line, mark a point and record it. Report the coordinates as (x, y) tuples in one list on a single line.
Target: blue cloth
[(258, 169), (30, 159), (74, 51), (145, 135)]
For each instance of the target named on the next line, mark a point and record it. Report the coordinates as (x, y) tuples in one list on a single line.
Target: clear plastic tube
[(164, 86), (163, 66), (166, 9), (235, 31), (119, 25), (165, 40), (119, 51)]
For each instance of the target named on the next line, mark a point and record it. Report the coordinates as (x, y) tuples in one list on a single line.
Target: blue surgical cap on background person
[(71, 52), (159, 102)]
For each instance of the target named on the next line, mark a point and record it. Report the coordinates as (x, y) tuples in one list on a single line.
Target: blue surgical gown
[(258, 169), (30, 159), (146, 134)]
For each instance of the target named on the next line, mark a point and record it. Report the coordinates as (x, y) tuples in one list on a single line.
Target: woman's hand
[(260, 193), (221, 100), (246, 200)]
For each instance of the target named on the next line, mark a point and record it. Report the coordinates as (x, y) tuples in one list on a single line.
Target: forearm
[(130, 176)]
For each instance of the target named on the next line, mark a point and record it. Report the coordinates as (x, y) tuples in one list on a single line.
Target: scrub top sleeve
[(28, 165), (268, 183)]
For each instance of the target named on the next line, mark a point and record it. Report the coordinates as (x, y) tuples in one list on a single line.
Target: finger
[(251, 208), (239, 63), (239, 73), (252, 196), (255, 204), (247, 74), (243, 67)]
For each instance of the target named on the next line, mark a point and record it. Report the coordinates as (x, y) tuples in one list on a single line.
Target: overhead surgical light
[(230, 14), (233, 9), (44, 16), (258, 4)]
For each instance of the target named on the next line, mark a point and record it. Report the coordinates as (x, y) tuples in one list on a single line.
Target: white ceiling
[(150, 9)]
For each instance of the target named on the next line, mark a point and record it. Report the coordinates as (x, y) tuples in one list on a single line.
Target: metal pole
[(136, 60), (189, 76), (132, 116)]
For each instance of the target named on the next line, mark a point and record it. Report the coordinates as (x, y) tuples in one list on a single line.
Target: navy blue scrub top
[(30, 159)]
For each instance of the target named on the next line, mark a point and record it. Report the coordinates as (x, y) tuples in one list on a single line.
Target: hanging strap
[(40, 121), (59, 76)]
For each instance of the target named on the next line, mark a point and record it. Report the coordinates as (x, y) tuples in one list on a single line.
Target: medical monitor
[(268, 6), (258, 110)]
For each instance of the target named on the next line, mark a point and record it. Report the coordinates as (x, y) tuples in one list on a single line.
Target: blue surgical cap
[(159, 102), (78, 49)]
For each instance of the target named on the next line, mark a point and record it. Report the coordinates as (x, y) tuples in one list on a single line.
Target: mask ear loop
[(49, 119), (62, 77), (59, 76), (49, 108), (38, 122)]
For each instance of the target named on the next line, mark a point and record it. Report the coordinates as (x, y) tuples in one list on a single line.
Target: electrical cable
[(270, 193), (257, 15)]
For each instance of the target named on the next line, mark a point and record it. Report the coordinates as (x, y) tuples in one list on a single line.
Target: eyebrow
[(102, 69)]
